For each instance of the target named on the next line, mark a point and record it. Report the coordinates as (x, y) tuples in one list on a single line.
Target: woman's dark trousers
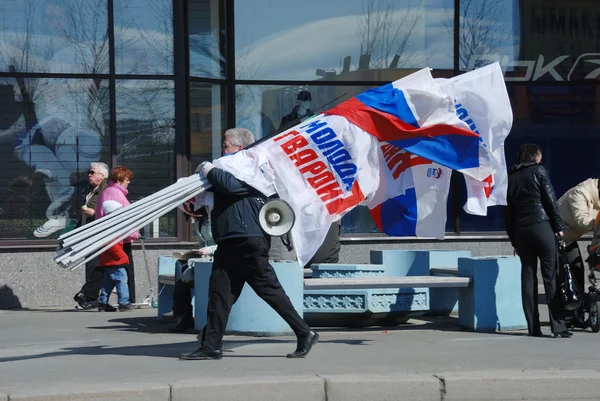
[(533, 242)]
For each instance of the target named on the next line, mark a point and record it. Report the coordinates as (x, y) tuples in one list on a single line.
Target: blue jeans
[(114, 276)]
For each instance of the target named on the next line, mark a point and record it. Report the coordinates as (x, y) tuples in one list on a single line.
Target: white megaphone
[(276, 217)]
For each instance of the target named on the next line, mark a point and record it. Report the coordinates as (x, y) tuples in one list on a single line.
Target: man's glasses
[(91, 172)]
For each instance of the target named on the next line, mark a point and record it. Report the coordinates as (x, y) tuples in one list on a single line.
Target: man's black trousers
[(238, 261), (533, 242)]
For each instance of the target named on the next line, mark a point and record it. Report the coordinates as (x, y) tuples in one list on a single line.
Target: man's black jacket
[(235, 213)]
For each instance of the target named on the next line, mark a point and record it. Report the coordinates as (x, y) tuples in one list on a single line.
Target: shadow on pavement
[(171, 350), (437, 323), (149, 324), (141, 324)]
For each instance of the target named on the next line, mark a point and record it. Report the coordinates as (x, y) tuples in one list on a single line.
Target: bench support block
[(493, 303)]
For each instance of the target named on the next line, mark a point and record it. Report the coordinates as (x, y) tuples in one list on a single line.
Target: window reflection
[(145, 140), (50, 131), (143, 36), (206, 122), (205, 38), (346, 39), (60, 36), (489, 32)]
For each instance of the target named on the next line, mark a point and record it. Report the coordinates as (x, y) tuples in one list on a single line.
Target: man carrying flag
[(242, 256)]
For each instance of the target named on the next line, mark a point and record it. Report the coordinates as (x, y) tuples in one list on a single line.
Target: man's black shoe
[(106, 308), (202, 353), (305, 343), (563, 334), (80, 299), (184, 324), (89, 305)]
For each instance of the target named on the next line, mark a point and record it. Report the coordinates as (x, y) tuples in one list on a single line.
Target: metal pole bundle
[(79, 246)]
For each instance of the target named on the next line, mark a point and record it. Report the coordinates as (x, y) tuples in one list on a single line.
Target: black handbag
[(570, 294)]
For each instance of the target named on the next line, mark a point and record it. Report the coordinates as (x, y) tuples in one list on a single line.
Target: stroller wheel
[(580, 318), (594, 318), (154, 302)]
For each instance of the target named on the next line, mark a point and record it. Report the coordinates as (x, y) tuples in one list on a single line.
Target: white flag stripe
[(483, 103)]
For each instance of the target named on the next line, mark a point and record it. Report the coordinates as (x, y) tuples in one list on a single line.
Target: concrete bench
[(485, 292), (166, 279), (385, 282), (169, 279), (407, 289)]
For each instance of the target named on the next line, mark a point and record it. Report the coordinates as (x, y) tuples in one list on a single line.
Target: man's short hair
[(240, 136), (100, 168)]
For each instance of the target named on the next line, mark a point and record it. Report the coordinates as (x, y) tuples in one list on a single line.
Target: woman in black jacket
[(533, 225)]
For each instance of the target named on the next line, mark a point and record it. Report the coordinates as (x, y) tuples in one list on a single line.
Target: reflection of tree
[(86, 36), (142, 51), (210, 62), (384, 31), (248, 98), (79, 44), (19, 49), (150, 101), (482, 31)]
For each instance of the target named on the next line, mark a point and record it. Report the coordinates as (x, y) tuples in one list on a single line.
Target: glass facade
[(153, 84)]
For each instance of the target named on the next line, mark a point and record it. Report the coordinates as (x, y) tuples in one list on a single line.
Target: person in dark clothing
[(87, 297), (242, 256), (300, 111), (182, 293), (533, 225), (234, 141), (329, 251)]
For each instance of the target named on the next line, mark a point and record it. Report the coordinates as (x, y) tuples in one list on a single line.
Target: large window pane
[(144, 36), (489, 31), (206, 122), (206, 39), (145, 141), (62, 36), (345, 40), (50, 131)]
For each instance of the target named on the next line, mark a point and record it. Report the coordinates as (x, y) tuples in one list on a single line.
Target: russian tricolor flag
[(391, 149), (412, 113)]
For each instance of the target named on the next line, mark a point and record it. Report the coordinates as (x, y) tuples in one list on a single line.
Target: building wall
[(32, 280)]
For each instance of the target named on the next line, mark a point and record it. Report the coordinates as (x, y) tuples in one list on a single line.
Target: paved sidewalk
[(72, 355)]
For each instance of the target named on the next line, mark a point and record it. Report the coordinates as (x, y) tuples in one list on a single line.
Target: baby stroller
[(587, 315)]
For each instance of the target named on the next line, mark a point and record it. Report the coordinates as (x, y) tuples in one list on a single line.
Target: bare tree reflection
[(483, 31), (384, 30)]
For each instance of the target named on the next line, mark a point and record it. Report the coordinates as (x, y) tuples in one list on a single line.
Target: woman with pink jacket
[(116, 261)]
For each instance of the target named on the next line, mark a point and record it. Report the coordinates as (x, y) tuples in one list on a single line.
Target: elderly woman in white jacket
[(578, 208)]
